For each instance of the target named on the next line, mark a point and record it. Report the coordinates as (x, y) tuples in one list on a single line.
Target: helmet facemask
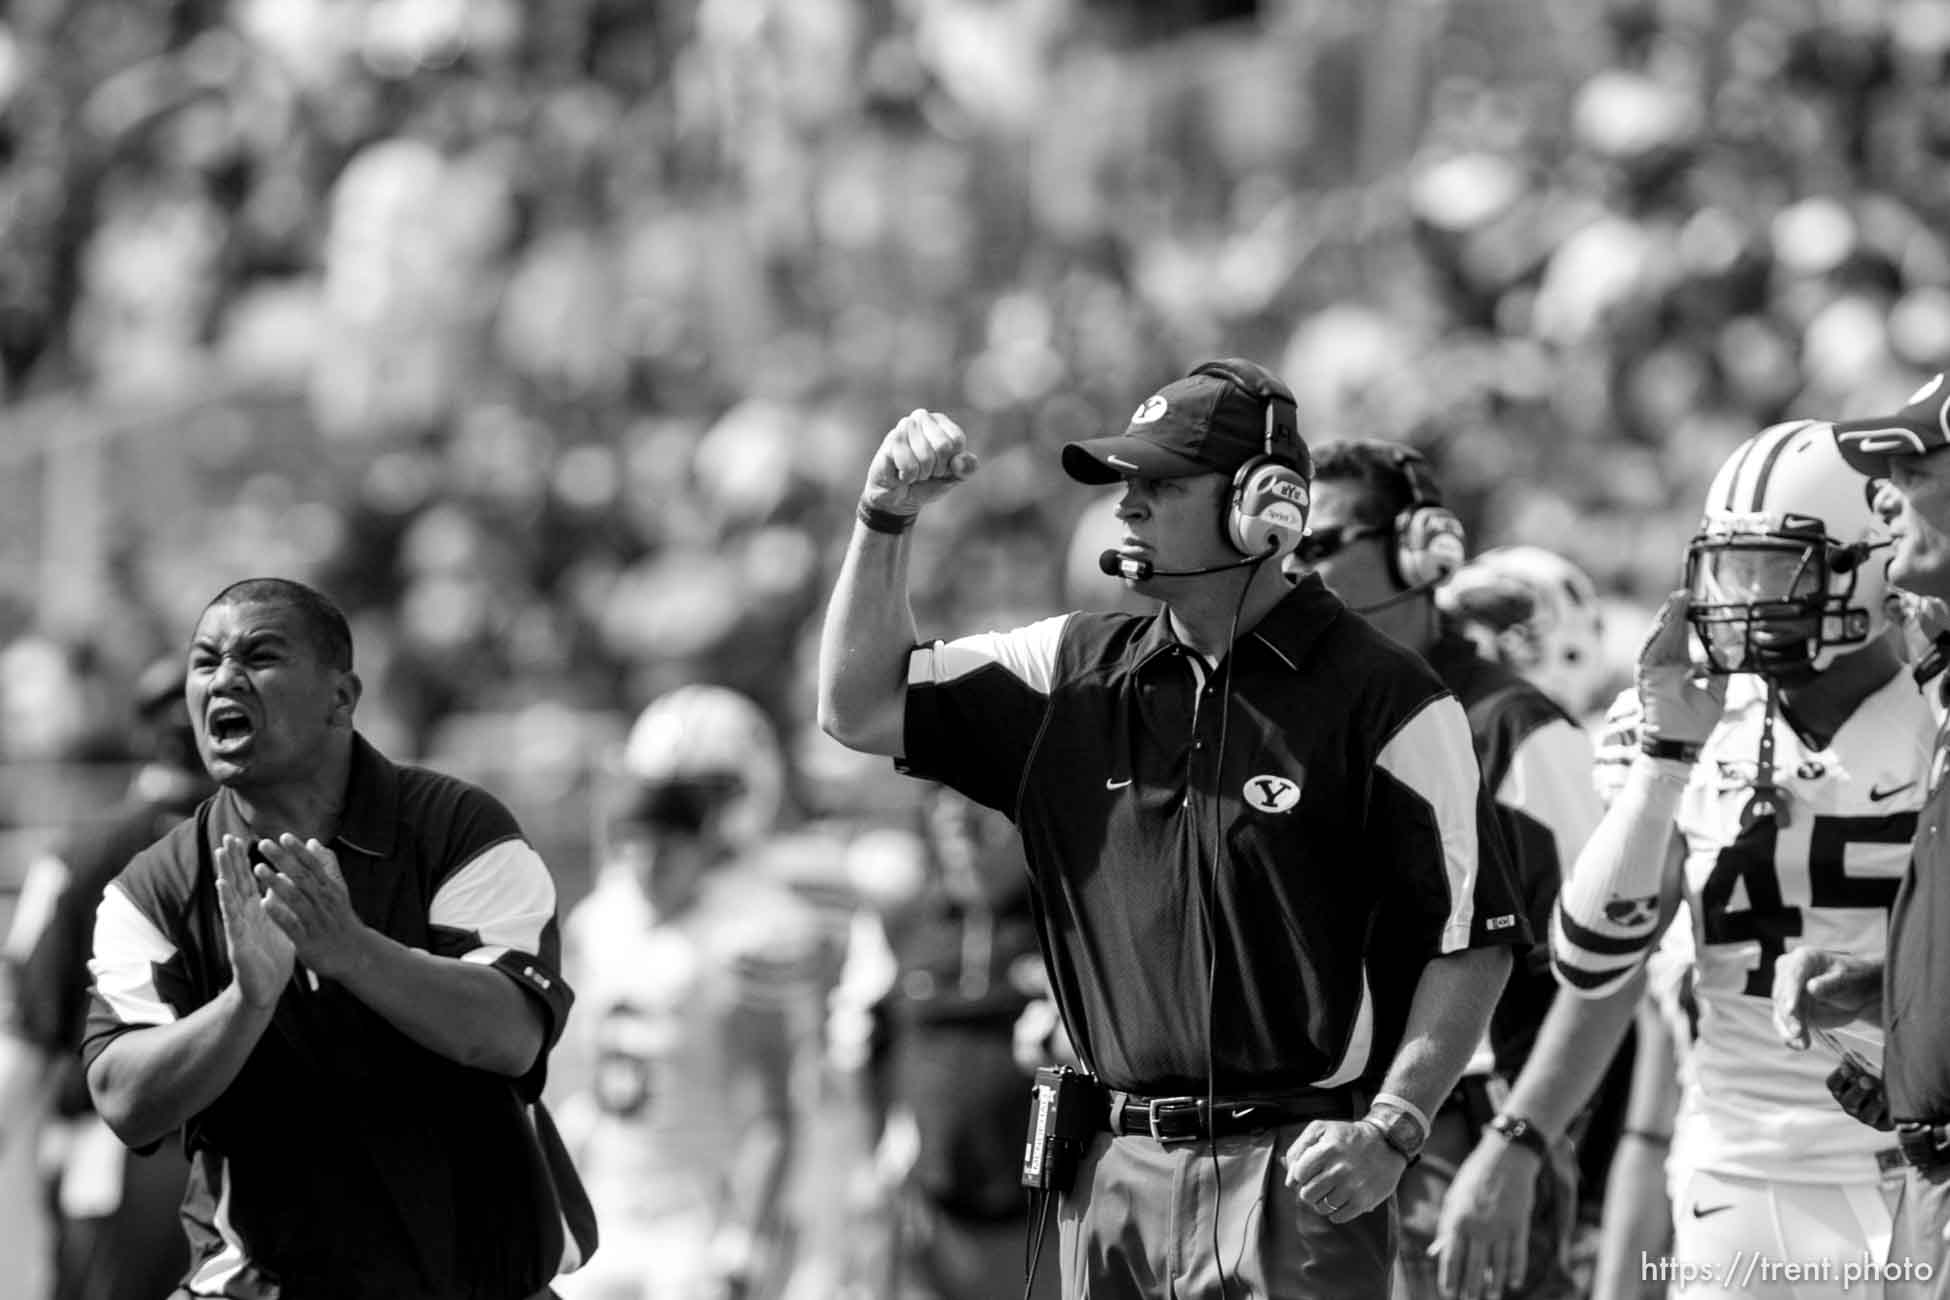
[(1765, 596)]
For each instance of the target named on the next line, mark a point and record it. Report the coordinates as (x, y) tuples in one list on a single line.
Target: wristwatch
[(1399, 1129), (1517, 1129)]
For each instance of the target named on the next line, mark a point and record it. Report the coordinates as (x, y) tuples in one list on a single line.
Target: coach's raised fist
[(921, 458)]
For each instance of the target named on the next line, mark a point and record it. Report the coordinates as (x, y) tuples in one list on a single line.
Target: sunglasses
[(1325, 543)]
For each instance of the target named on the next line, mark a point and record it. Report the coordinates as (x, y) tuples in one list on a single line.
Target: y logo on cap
[(1153, 409), (1272, 794)]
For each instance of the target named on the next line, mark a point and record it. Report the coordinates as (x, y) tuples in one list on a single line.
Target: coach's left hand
[(307, 897), (1341, 1170)]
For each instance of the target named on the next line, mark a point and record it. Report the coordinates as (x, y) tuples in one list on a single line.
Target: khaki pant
[(1918, 1265), (1204, 1220)]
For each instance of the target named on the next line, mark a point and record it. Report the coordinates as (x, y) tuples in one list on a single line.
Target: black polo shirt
[(345, 1159), (1916, 974), (1358, 840)]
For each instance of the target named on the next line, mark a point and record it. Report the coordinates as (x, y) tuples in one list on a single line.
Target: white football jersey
[(1823, 872), (676, 1020)]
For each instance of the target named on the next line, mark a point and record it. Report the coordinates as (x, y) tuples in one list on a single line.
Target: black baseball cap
[(1922, 426), (1208, 422)]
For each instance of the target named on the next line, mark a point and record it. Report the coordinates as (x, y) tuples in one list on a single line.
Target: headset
[(1426, 543), (1266, 511), (1265, 519)]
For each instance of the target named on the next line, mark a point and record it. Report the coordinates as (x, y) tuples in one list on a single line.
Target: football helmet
[(718, 739), (1540, 615), (1780, 577)]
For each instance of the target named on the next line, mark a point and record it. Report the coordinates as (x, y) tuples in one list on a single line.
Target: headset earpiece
[(1429, 544), (1267, 508), (1266, 511)]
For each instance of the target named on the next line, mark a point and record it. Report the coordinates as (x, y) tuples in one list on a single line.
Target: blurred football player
[(926, 1016), (1535, 612), (1776, 794), (698, 998)]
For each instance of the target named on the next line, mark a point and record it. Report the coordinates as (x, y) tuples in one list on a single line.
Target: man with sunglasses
[(1268, 882), (1383, 541)]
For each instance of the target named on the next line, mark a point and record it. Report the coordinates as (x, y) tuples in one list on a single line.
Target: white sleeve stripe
[(128, 948), (1433, 756), (1029, 653), (504, 895)]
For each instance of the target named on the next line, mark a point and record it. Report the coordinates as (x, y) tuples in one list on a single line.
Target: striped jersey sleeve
[(975, 706)]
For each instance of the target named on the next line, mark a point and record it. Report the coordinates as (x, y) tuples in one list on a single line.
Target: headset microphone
[(1117, 565), (1406, 594), (1845, 559)]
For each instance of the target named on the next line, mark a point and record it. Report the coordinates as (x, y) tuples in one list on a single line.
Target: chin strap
[(1934, 660), (1768, 799)]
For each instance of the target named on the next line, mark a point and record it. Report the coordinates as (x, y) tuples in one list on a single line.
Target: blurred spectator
[(539, 333)]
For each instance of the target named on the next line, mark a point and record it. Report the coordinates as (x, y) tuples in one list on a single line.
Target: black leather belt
[(1924, 1146), (1190, 1119)]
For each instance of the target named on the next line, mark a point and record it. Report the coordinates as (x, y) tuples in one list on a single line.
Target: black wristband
[(1516, 1129), (883, 521), (1685, 751)]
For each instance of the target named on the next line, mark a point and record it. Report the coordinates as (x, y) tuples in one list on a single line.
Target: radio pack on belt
[(1060, 1123)]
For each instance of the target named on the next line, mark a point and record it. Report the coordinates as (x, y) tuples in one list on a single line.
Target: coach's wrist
[(1401, 1124), (880, 520)]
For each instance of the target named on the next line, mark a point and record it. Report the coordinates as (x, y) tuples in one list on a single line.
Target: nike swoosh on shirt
[(1116, 785), (1877, 794), (1701, 1211)]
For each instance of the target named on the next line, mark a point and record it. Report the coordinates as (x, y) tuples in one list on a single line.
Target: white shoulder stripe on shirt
[(505, 895), (1029, 653), (1433, 756), (128, 948)]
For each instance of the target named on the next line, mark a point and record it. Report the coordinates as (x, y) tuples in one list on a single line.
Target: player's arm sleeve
[(1609, 911), (975, 706), (497, 909), (1430, 810), (1549, 810)]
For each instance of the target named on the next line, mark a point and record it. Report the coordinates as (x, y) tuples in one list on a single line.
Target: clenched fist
[(920, 459)]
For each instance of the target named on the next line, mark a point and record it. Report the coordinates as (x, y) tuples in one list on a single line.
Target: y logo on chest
[(1271, 794)]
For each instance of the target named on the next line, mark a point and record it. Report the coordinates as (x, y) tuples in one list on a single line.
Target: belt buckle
[(1175, 1106)]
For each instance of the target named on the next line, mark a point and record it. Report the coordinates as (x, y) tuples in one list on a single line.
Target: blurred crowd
[(551, 340)]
